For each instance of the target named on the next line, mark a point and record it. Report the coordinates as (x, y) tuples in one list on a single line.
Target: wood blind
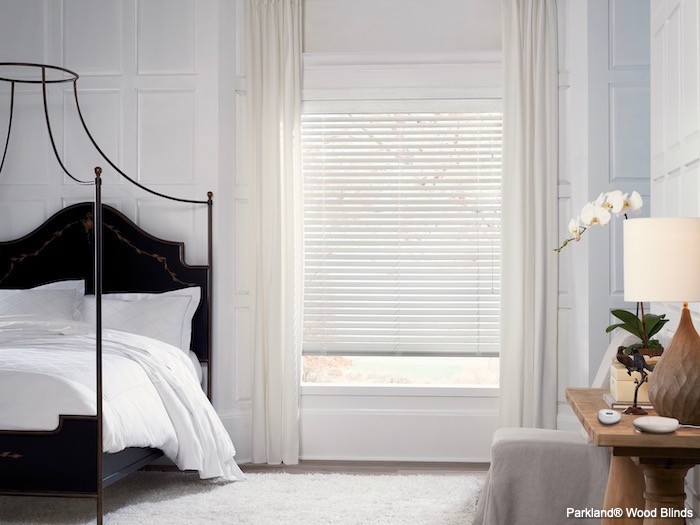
[(402, 232)]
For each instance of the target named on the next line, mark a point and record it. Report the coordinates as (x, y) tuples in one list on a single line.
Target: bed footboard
[(62, 462)]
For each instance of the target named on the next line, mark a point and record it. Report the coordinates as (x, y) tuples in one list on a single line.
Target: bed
[(64, 459), (94, 389)]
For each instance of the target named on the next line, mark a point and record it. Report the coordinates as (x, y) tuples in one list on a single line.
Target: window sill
[(482, 391)]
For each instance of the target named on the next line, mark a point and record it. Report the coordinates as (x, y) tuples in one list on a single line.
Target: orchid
[(593, 213), (620, 203), (600, 211), (575, 228)]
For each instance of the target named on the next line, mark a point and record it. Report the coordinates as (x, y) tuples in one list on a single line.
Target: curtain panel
[(529, 288), (274, 107)]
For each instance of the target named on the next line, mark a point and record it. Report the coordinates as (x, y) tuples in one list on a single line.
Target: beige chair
[(536, 474)]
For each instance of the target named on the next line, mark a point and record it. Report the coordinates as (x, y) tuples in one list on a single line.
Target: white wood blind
[(402, 231)]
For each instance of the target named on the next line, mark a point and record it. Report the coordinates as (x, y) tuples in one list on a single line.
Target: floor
[(477, 470)]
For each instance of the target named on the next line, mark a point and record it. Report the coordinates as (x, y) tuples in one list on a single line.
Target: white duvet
[(151, 395)]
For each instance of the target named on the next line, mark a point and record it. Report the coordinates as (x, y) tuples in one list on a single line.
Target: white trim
[(238, 424), (404, 93), (398, 429), (399, 390), (367, 60), (421, 105), (404, 459), (379, 76)]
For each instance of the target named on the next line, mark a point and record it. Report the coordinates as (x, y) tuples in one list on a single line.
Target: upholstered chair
[(536, 474)]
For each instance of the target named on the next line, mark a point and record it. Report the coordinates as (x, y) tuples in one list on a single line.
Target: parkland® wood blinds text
[(402, 231)]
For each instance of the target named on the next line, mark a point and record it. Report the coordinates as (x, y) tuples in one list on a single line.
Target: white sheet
[(151, 395)]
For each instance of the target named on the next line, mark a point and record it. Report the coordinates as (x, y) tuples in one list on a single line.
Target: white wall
[(604, 145), (157, 89), (675, 142)]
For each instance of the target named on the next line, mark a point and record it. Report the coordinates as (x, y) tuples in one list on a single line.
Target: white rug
[(154, 498)]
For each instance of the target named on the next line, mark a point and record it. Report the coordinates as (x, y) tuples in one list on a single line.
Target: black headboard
[(133, 261)]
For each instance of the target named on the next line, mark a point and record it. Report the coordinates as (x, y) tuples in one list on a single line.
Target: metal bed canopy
[(30, 73)]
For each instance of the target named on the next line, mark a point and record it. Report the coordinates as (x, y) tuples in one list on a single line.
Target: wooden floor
[(372, 467)]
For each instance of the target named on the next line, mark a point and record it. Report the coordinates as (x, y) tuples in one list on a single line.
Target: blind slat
[(402, 233)]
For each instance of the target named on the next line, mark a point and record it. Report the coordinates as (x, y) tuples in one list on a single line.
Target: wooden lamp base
[(674, 387)]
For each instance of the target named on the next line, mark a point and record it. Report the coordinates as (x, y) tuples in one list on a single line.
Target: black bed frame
[(65, 461), (99, 244)]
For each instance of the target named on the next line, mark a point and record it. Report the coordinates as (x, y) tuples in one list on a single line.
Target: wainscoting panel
[(23, 31), (28, 151), (20, 217), (628, 46), (166, 37), (383, 426), (675, 95), (101, 109), (100, 24), (161, 114), (629, 110)]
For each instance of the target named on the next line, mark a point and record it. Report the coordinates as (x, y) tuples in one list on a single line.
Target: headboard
[(133, 261)]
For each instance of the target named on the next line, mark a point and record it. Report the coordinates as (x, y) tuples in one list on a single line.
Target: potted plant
[(600, 212), (644, 327)]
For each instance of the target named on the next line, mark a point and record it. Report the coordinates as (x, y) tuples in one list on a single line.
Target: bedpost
[(210, 287), (97, 214)]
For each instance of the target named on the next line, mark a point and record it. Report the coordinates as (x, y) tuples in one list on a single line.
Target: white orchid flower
[(617, 202), (635, 202), (594, 213), (600, 201), (575, 228), (599, 212)]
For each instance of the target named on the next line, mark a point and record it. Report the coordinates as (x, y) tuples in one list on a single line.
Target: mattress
[(151, 393)]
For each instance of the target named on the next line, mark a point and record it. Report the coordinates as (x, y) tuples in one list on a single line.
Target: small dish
[(656, 424)]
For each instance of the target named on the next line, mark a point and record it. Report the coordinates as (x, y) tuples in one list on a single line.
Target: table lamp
[(662, 263)]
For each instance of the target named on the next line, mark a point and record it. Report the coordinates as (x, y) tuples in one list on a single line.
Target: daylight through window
[(402, 244)]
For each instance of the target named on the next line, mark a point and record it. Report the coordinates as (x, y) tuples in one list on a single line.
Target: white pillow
[(77, 285), (164, 316), (52, 304)]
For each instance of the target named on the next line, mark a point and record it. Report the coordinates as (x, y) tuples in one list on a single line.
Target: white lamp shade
[(662, 259)]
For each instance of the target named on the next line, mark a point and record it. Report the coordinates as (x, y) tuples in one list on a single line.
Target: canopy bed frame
[(97, 243)]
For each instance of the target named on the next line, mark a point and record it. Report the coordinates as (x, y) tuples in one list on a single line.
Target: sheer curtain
[(528, 386), (274, 101)]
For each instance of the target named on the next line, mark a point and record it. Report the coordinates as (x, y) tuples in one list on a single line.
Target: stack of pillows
[(163, 316)]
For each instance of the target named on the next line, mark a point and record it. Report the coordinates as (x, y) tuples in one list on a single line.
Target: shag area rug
[(154, 498)]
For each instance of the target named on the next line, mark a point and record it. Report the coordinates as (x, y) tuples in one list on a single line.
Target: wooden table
[(663, 459)]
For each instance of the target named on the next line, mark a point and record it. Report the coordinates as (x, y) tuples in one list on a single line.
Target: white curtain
[(528, 384), (274, 101)]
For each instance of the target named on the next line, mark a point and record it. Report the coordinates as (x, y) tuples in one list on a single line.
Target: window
[(402, 241)]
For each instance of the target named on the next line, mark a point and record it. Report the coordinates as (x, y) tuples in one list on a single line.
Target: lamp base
[(635, 411), (674, 387)]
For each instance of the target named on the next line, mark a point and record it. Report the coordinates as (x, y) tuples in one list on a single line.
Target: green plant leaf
[(631, 322), (654, 343), (613, 326), (654, 323)]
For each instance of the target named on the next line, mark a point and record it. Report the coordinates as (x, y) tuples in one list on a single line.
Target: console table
[(664, 459)]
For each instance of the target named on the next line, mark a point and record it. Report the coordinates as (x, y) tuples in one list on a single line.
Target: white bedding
[(151, 394)]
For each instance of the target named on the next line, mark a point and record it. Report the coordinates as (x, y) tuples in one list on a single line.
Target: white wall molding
[(338, 76), (675, 184), (239, 424), (390, 433), (490, 59)]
